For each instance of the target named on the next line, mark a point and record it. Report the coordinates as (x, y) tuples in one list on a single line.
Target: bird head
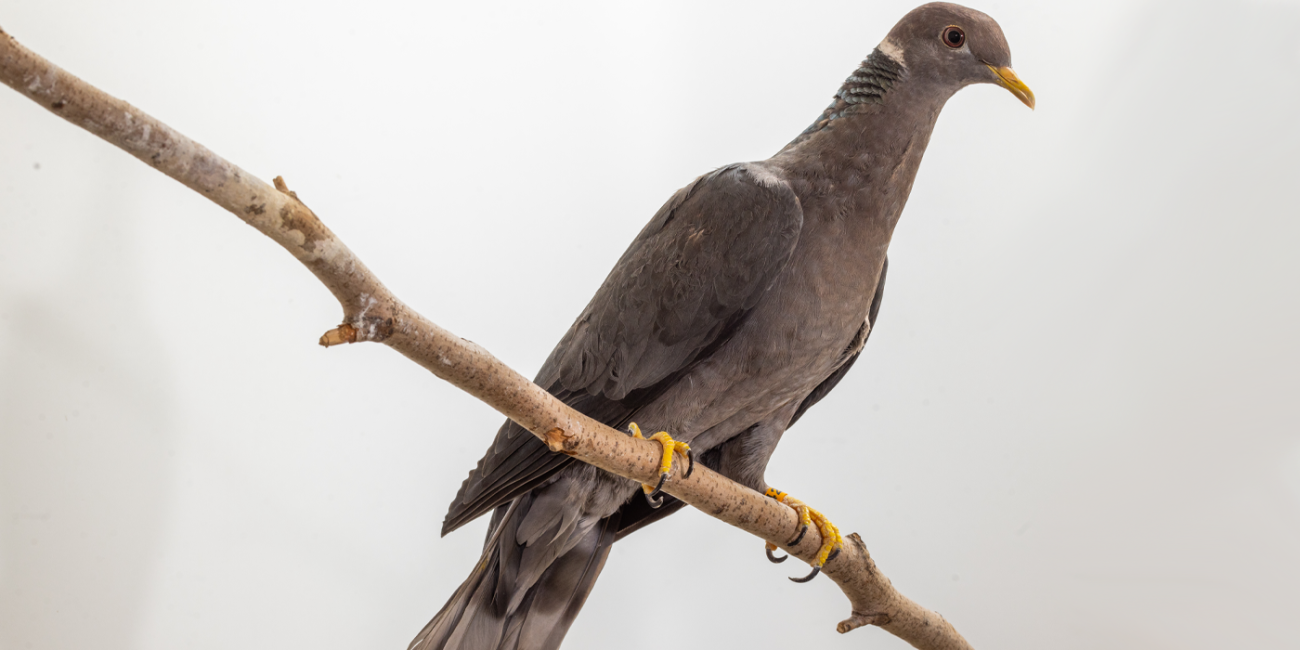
[(953, 46)]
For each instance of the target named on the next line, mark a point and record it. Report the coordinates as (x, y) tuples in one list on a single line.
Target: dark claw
[(816, 569), (803, 531), (654, 503), (809, 577), (690, 462), (774, 559), (653, 498)]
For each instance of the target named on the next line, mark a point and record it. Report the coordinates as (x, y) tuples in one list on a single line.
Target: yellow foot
[(670, 446), (832, 542)]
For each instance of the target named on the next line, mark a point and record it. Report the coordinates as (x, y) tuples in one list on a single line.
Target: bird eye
[(953, 36)]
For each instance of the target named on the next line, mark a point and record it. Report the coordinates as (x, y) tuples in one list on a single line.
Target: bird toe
[(653, 494), (832, 541)]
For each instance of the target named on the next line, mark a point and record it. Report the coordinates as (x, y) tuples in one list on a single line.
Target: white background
[(1074, 427)]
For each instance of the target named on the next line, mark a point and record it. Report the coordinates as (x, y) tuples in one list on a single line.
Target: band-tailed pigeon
[(740, 305)]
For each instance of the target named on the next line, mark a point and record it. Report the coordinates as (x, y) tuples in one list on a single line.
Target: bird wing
[(636, 514), (679, 291)]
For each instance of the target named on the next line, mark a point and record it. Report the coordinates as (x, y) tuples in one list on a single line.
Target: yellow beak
[(1007, 77)]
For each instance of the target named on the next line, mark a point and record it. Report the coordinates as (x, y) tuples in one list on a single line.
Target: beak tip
[(1008, 79)]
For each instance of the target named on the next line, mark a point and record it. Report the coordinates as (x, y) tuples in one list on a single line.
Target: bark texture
[(372, 313)]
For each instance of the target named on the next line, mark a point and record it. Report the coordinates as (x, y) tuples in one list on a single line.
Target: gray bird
[(741, 304)]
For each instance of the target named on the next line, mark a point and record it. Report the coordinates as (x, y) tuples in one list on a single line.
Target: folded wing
[(680, 290)]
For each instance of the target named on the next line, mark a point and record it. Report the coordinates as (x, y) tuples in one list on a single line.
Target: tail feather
[(563, 590), (436, 632), (495, 610)]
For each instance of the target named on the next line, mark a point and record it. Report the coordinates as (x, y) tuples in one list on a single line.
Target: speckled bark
[(372, 313)]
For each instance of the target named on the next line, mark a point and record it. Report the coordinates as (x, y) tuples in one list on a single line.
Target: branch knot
[(344, 333), (859, 619), (558, 439), (284, 188)]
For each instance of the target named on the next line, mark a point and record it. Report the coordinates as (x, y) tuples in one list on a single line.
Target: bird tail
[(534, 576)]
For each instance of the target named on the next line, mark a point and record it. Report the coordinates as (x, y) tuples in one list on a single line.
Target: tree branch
[(372, 313)]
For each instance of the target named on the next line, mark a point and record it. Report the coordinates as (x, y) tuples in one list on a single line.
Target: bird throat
[(867, 85)]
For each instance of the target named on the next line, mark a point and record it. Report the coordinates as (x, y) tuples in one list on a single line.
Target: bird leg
[(666, 464), (832, 541)]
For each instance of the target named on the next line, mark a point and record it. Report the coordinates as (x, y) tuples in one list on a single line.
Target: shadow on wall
[(84, 473)]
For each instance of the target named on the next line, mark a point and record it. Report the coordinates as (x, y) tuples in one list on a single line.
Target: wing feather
[(678, 292)]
